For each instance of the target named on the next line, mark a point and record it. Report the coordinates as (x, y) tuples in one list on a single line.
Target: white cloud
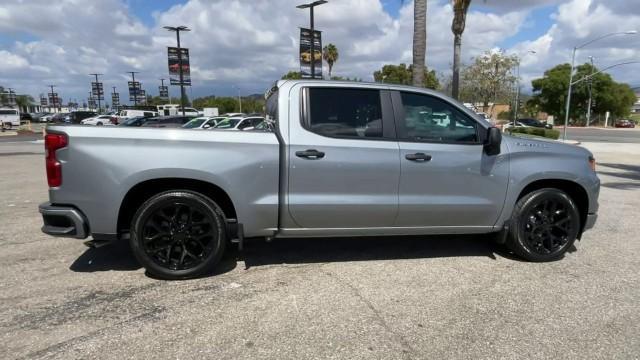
[(252, 43), (577, 22)]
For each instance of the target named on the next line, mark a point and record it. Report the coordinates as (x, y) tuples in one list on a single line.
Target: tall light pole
[(177, 30), (573, 61), (590, 92), (135, 87), (517, 104), (239, 98), (98, 90), (311, 5)]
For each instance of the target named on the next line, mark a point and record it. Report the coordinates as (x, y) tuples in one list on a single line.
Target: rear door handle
[(310, 154), (419, 157)]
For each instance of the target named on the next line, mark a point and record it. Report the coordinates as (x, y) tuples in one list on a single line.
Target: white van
[(128, 114), (9, 118)]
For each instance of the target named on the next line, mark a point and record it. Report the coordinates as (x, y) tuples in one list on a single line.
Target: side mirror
[(493, 141), (206, 126)]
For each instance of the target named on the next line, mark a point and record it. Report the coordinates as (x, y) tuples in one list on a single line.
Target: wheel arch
[(142, 191), (575, 191)]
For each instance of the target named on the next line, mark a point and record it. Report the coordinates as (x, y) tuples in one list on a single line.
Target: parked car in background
[(40, 116), (624, 124), (173, 121), (265, 125), (100, 120), (9, 118), (535, 123), (75, 117), (129, 113), (58, 118), (203, 122), (134, 121), (25, 117), (238, 123)]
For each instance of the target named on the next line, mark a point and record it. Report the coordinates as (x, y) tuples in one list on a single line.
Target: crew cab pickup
[(341, 159)]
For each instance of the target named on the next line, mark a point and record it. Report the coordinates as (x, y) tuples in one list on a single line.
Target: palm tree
[(460, 8), (330, 55), (419, 40)]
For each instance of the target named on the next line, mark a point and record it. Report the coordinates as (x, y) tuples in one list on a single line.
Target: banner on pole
[(174, 66), (305, 53)]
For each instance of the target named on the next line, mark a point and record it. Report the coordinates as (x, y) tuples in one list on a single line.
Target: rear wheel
[(178, 234), (544, 225), (99, 124)]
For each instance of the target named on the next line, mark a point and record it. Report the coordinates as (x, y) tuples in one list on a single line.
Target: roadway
[(592, 134)]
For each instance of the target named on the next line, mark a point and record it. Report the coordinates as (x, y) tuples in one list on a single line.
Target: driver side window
[(429, 119)]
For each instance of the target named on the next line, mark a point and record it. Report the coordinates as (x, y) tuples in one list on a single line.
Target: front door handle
[(310, 154), (419, 157)]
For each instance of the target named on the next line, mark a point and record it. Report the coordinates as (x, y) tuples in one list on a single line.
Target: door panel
[(459, 186), (446, 178), (351, 179)]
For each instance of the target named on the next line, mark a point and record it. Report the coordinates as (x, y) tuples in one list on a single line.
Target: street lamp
[(135, 87), (311, 5), (590, 92), (573, 60), (98, 90), (177, 30), (517, 104)]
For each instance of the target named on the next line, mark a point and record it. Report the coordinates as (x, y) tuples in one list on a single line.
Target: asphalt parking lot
[(382, 298)]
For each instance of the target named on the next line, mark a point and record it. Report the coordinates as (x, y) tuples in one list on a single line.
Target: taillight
[(592, 163), (52, 143)]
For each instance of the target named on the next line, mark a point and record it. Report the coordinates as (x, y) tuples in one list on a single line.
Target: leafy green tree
[(460, 8), (23, 101), (330, 55), (550, 92), (489, 78), (401, 74), (292, 75)]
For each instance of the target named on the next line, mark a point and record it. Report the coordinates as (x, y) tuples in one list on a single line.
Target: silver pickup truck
[(340, 159)]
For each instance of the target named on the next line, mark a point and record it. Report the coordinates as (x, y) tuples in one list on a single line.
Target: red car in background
[(625, 124)]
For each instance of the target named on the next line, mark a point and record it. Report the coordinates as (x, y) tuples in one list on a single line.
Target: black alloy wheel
[(545, 224), (178, 234)]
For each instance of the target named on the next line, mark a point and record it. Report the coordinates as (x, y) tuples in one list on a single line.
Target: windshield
[(194, 123), (228, 124)]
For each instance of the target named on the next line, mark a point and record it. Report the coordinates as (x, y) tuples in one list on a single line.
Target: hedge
[(548, 133)]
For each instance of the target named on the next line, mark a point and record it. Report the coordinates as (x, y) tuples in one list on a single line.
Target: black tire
[(7, 125), (99, 124), (544, 225), (169, 243)]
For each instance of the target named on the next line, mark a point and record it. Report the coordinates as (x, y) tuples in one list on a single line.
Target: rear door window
[(345, 113)]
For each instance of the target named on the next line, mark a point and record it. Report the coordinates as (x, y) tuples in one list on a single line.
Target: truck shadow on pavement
[(257, 252), (320, 250), (629, 174)]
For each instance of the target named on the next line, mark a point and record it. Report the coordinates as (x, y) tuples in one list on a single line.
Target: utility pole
[(135, 87), (177, 30), (98, 90), (590, 88), (313, 38), (54, 99)]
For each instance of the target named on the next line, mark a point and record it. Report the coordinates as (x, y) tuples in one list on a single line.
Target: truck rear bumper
[(64, 221)]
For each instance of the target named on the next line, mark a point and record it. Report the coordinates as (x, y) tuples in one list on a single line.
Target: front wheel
[(178, 234), (544, 225)]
